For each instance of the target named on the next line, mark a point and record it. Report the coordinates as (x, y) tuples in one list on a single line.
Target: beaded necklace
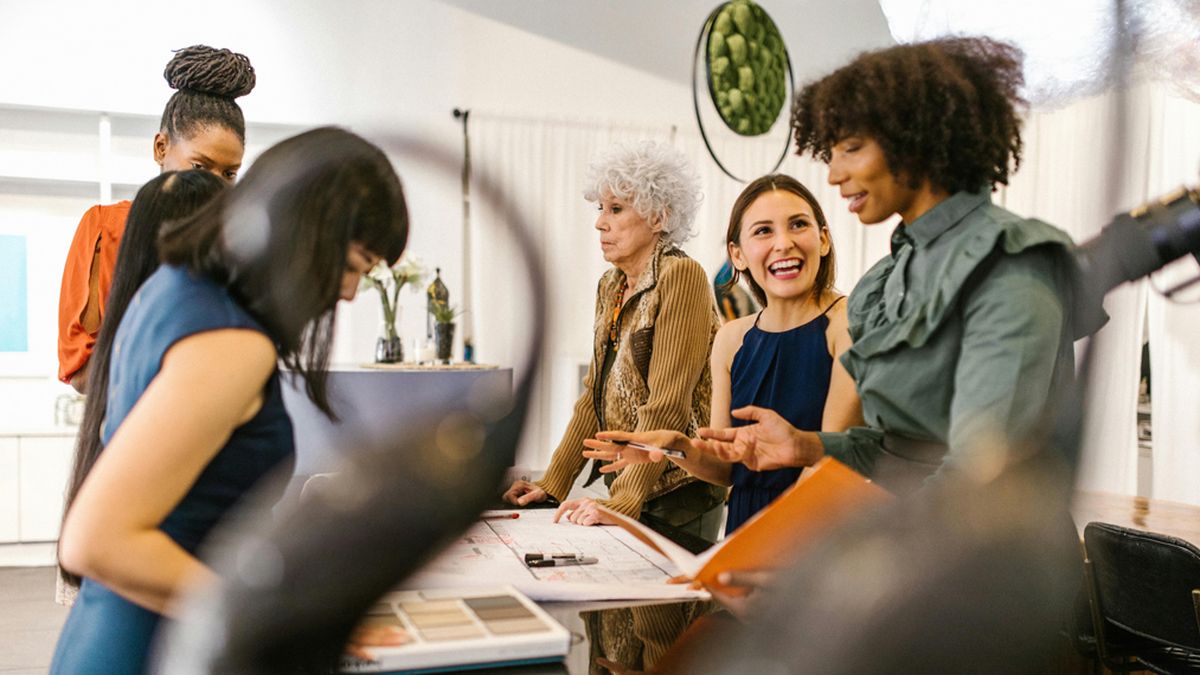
[(612, 325)]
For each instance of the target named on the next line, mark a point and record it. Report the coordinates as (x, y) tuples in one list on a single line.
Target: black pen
[(679, 454), (561, 562)]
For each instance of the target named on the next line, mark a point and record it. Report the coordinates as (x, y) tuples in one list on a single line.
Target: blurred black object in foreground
[(295, 585), (977, 574), (973, 576)]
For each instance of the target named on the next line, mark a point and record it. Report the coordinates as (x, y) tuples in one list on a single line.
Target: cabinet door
[(45, 467), (9, 491)]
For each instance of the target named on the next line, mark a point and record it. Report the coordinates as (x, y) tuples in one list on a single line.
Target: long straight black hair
[(170, 196), (278, 240)]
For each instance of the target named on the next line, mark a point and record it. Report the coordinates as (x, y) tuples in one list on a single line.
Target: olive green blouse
[(963, 330)]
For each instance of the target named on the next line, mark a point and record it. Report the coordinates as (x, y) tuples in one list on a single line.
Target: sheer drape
[(541, 164), (1174, 129), (1066, 179)]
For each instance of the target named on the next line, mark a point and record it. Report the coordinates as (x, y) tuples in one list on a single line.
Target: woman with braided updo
[(202, 128)]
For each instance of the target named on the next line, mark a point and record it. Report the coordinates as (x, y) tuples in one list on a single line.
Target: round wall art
[(747, 70)]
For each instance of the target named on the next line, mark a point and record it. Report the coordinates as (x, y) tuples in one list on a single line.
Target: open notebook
[(457, 629), (826, 495)]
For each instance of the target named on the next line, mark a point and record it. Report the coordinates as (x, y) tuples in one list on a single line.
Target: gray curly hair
[(655, 178)]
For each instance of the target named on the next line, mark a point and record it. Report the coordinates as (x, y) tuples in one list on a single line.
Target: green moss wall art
[(747, 74), (747, 67)]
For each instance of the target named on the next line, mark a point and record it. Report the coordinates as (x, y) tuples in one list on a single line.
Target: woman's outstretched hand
[(621, 456), (770, 442)]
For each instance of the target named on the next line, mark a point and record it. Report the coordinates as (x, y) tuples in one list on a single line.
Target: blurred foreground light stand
[(964, 577)]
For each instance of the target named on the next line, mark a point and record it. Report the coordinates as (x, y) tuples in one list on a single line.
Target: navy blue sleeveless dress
[(105, 633), (786, 372)]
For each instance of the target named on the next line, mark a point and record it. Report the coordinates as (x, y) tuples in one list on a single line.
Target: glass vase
[(389, 348), (444, 332)]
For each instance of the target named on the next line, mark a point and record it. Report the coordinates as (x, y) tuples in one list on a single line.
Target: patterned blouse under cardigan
[(659, 378)]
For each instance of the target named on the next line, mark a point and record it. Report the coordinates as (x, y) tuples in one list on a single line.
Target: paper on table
[(492, 552)]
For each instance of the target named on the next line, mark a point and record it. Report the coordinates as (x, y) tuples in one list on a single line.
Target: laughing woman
[(783, 358)]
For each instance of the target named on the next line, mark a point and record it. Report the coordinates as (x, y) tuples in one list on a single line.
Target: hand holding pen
[(622, 448)]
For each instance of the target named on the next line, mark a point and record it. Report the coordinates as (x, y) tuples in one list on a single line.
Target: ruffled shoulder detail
[(994, 230)]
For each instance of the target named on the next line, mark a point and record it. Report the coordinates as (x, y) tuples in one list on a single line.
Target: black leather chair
[(1144, 590)]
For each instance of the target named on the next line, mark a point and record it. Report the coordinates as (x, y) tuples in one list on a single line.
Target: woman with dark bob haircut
[(961, 334), (195, 415)]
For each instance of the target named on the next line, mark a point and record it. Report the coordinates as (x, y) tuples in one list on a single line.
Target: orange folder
[(826, 495)]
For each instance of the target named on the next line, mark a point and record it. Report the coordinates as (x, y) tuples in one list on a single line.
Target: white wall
[(376, 66)]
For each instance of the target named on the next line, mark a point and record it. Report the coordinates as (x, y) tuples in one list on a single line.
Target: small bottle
[(436, 293)]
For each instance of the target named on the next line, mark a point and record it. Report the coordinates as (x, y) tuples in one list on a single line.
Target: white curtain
[(540, 164), (1067, 179), (1064, 179), (1064, 182), (1174, 128)]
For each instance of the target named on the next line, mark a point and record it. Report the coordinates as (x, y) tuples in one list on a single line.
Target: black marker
[(561, 562)]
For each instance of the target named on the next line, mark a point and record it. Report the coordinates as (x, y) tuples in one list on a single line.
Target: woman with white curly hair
[(655, 322)]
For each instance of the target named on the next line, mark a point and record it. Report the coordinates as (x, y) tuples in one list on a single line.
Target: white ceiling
[(659, 36)]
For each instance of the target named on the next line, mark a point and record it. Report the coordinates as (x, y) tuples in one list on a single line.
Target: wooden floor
[(29, 619)]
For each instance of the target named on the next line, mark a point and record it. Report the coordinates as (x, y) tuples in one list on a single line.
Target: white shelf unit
[(34, 469)]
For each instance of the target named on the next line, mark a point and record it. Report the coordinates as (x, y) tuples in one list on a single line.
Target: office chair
[(1145, 590)]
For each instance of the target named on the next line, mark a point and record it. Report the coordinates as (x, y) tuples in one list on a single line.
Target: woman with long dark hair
[(195, 415), (168, 197)]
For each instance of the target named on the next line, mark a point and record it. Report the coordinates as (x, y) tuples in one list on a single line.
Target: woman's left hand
[(582, 511), (368, 635), (751, 582)]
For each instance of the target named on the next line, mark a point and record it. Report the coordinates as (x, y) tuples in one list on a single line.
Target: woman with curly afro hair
[(961, 334)]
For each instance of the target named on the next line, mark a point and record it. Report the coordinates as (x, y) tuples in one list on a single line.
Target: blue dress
[(105, 633), (786, 372)]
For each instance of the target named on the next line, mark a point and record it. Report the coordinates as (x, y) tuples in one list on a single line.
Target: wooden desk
[(1152, 515)]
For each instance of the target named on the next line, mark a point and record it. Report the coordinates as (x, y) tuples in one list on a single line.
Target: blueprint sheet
[(492, 552)]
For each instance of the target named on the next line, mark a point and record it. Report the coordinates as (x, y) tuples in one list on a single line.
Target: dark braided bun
[(204, 69), (208, 80)]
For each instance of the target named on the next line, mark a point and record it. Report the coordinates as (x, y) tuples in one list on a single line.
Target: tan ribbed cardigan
[(659, 379)]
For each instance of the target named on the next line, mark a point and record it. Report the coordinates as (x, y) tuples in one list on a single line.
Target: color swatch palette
[(468, 628)]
